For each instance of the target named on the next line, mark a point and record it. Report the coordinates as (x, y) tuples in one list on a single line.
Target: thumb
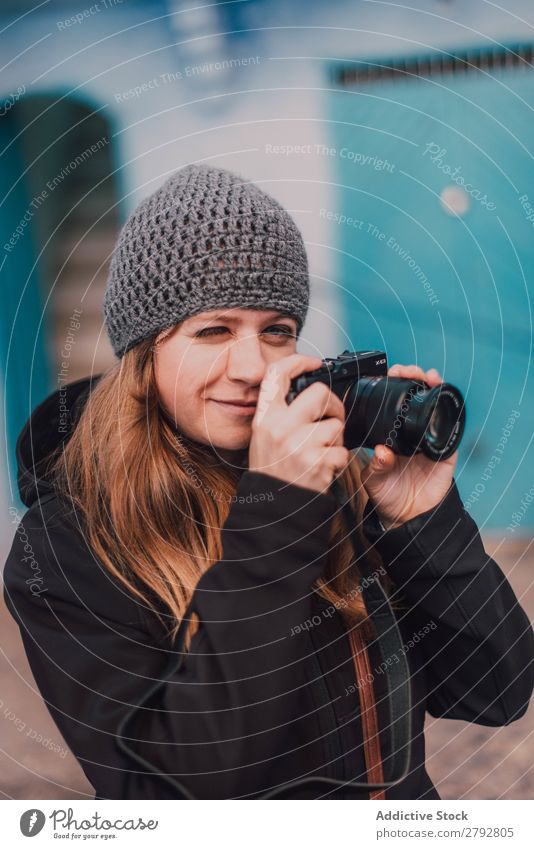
[(382, 460)]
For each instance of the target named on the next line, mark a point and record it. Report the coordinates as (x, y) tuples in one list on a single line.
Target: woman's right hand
[(290, 441)]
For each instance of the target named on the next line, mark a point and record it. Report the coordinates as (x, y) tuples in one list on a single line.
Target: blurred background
[(401, 139)]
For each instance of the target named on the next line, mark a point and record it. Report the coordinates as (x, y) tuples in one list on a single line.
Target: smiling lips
[(240, 407), (237, 402)]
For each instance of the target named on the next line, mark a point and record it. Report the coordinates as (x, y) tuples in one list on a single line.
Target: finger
[(433, 377), (314, 403), (411, 372), (323, 433), (381, 464), (383, 458), (337, 458), (277, 380), (334, 458)]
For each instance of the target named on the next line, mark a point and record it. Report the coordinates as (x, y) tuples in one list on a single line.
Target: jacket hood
[(42, 438)]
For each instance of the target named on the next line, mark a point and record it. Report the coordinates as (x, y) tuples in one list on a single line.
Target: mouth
[(242, 408)]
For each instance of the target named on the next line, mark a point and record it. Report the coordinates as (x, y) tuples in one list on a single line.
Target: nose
[(245, 360)]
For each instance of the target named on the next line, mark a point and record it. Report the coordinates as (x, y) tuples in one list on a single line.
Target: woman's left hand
[(403, 487)]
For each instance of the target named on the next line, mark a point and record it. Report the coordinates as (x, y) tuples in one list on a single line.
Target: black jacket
[(267, 694)]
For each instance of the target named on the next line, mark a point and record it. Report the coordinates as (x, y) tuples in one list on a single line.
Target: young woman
[(186, 479)]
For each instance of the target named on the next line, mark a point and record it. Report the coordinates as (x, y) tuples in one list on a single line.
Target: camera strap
[(369, 718), (390, 644)]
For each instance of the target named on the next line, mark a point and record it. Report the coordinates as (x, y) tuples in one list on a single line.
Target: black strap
[(390, 644)]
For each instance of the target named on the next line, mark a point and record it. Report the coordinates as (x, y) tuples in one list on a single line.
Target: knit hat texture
[(205, 239)]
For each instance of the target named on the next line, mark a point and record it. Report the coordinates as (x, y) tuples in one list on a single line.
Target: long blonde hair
[(145, 516)]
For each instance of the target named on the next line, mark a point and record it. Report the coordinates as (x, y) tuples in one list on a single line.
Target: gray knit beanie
[(206, 239)]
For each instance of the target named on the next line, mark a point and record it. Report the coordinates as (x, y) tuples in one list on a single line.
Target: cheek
[(170, 378), (183, 381), (275, 354)]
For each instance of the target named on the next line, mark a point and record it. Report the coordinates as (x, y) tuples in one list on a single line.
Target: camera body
[(340, 372), (406, 415)]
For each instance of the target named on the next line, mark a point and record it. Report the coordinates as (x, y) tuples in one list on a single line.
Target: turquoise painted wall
[(450, 291), (23, 357)]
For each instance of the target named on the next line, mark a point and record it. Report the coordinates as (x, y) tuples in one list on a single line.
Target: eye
[(210, 331), (281, 330), (274, 330)]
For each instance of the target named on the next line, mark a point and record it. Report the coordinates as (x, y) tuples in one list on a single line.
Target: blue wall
[(450, 291), (23, 358)]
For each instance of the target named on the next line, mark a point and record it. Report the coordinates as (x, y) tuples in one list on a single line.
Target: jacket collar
[(44, 435)]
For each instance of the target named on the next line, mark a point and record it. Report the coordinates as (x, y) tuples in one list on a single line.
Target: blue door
[(434, 176), (23, 356)]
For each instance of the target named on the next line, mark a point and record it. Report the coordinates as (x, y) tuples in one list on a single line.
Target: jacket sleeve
[(479, 654), (237, 718)]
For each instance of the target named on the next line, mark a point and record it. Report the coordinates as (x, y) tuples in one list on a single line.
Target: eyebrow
[(235, 318)]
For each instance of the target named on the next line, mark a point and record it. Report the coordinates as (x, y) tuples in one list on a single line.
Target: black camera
[(406, 415)]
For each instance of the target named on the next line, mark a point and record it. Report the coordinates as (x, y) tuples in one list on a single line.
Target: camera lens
[(442, 422), (434, 424), (406, 415)]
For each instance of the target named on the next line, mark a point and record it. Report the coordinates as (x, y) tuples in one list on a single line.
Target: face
[(213, 359)]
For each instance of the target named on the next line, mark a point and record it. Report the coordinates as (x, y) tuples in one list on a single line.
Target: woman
[(186, 477)]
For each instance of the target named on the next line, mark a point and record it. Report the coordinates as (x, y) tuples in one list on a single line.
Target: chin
[(234, 438), (231, 445), (226, 442)]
